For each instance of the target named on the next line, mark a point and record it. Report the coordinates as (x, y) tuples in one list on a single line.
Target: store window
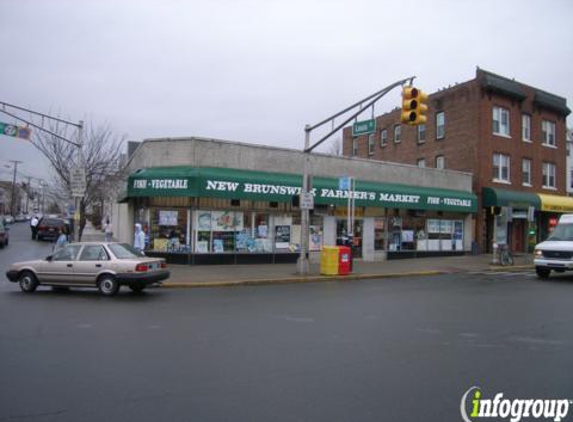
[(443, 235), (168, 230), (354, 147), (379, 234)]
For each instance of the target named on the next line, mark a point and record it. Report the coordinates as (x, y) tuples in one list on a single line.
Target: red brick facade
[(469, 142)]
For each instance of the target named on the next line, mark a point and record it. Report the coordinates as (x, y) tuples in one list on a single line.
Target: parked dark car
[(48, 227), (4, 236)]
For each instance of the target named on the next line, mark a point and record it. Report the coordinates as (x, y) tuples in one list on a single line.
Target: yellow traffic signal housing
[(414, 107)]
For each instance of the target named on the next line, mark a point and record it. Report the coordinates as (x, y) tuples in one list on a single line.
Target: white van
[(556, 253)]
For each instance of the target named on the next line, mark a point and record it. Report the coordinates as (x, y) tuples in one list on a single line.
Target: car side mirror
[(49, 258)]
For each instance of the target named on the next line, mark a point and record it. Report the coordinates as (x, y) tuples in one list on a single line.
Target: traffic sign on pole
[(78, 181)]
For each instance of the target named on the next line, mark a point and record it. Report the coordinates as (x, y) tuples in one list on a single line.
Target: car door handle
[(70, 265), (98, 265)]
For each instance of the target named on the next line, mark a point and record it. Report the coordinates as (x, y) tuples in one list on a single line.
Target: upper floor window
[(549, 175), (421, 162), (354, 147), (383, 137), (500, 168), (526, 127), (421, 133), (548, 132), (440, 162), (500, 121), (371, 144), (526, 171), (440, 125), (397, 133)]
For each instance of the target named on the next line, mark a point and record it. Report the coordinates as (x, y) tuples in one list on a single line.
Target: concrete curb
[(298, 280), (511, 268)]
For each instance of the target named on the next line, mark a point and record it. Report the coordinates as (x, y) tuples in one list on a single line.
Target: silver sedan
[(106, 266)]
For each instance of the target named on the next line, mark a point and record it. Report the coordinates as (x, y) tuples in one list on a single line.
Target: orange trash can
[(344, 260)]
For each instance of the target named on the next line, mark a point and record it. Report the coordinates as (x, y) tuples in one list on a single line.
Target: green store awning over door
[(280, 187), (495, 197)]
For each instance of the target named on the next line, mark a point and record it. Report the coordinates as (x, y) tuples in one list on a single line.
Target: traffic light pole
[(303, 260), (79, 126)]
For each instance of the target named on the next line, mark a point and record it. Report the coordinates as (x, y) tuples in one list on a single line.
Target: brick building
[(509, 135)]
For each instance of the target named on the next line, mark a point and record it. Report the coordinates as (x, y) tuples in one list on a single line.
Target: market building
[(203, 201), (510, 136)]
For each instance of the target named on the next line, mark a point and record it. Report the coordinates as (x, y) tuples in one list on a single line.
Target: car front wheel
[(28, 282), (542, 272), (108, 286)]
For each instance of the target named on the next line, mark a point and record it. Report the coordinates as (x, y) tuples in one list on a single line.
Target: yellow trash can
[(329, 260)]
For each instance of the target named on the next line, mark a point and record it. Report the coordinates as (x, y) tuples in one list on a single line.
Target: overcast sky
[(258, 71)]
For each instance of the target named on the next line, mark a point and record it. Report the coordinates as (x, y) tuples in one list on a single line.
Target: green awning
[(495, 197), (281, 187)]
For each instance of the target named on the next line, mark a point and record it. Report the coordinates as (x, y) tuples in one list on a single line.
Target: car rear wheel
[(108, 286), (28, 282), (542, 272), (137, 288)]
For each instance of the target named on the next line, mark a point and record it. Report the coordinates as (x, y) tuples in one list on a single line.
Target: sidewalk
[(256, 274), (245, 275)]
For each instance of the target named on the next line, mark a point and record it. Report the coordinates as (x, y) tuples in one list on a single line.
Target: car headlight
[(538, 253)]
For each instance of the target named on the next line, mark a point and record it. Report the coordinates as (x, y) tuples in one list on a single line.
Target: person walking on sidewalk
[(108, 231), (34, 227), (139, 238)]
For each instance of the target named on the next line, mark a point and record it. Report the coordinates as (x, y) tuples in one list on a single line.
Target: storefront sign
[(258, 186)]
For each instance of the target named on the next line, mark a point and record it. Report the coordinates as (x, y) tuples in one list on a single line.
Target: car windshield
[(124, 251), (52, 222), (562, 232)]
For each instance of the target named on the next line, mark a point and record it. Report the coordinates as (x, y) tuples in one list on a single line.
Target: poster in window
[(203, 221), (282, 237), (168, 218), (226, 221), (218, 246)]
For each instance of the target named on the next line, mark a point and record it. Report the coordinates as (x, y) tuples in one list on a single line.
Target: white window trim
[(501, 134), (528, 140), (549, 146), (498, 180), (543, 185), (502, 182), (437, 126), (544, 142), (400, 129), (383, 144)]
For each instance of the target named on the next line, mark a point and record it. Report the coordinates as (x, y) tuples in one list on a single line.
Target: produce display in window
[(168, 230)]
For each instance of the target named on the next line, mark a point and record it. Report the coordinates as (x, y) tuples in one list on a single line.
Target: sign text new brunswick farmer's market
[(245, 189)]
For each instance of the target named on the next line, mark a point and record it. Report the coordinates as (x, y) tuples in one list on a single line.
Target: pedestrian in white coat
[(139, 238)]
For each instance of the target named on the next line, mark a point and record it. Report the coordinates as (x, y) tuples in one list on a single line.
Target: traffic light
[(414, 106)]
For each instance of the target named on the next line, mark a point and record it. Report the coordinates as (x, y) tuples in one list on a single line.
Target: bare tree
[(335, 147), (100, 155)]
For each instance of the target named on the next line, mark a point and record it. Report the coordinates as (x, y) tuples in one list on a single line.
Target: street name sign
[(364, 127), (15, 131)]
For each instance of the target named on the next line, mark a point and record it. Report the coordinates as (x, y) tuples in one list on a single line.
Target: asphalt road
[(388, 350)]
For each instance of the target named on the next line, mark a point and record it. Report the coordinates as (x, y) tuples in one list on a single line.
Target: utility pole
[(13, 202), (28, 195)]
